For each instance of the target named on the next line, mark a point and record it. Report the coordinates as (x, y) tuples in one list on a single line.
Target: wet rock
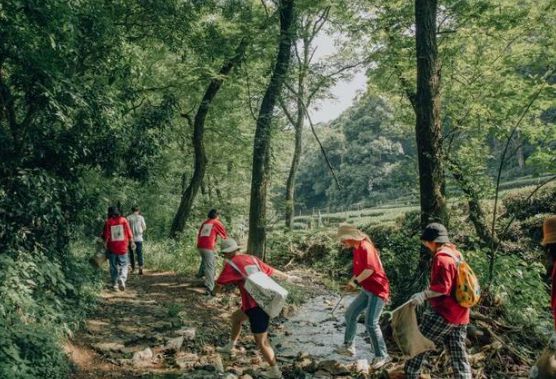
[(142, 358), (321, 374), (109, 347), (332, 367), (174, 344), (362, 366)]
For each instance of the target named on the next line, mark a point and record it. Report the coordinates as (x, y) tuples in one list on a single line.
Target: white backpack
[(268, 294)]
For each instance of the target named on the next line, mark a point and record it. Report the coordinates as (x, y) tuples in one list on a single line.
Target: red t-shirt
[(229, 275), (443, 280), (209, 230), (366, 257), (117, 234)]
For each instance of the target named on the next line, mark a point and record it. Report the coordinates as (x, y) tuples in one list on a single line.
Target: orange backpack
[(468, 290)]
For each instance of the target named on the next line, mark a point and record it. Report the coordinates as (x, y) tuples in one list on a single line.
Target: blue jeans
[(118, 267), (373, 305)]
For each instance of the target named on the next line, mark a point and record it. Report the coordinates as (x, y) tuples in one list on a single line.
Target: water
[(315, 330)]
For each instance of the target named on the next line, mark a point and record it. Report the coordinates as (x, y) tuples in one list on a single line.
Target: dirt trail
[(154, 308)]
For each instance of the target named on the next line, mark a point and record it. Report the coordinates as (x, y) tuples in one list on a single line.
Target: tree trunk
[(261, 147), (290, 183), (428, 130), (189, 194), (427, 127)]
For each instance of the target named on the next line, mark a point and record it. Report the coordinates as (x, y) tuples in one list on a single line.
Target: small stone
[(143, 357), (174, 344), (362, 366), (187, 333), (229, 375), (108, 347)]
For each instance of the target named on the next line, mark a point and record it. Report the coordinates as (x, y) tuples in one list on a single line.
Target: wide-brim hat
[(435, 232), (229, 245), (549, 231), (350, 232)]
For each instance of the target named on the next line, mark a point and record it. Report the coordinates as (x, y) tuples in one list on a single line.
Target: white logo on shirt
[(251, 269), (117, 233), (205, 230)]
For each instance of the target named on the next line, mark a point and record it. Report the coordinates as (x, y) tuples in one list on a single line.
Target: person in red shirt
[(117, 236), (249, 310), (206, 244), (447, 322), (374, 291)]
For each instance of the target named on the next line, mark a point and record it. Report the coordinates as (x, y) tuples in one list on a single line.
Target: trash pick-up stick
[(338, 303)]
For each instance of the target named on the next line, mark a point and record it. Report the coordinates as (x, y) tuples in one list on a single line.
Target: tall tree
[(427, 111), (200, 156), (261, 146)]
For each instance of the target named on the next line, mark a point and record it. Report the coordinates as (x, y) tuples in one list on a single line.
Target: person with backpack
[(138, 227), (374, 290), (206, 243), (447, 322), (236, 268), (117, 236)]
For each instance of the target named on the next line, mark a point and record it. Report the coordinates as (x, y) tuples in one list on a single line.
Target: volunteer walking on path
[(374, 290), (549, 243), (206, 243), (117, 236), (138, 227), (447, 322), (234, 273)]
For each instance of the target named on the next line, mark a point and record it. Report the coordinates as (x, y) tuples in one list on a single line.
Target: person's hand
[(351, 286), (418, 298), (133, 245)]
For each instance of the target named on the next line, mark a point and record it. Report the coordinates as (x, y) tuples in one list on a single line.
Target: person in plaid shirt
[(447, 322)]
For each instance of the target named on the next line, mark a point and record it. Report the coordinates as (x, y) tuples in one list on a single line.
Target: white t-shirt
[(137, 225)]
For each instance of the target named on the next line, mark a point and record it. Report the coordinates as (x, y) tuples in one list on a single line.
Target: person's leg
[(201, 271), (113, 268), (122, 272), (238, 317), (455, 340), (352, 314), (374, 309), (131, 257), (264, 346), (139, 252), (434, 328), (210, 269)]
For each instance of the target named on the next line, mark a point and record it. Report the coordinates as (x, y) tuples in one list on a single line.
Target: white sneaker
[(229, 348), (121, 284), (380, 362), (115, 287), (348, 350), (274, 372)]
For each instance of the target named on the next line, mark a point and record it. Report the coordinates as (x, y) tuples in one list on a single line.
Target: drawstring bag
[(406, 332)]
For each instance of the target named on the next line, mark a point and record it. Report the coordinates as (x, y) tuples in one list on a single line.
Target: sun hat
[(350, 232), (549, 231), (228, 246), (435, 232)]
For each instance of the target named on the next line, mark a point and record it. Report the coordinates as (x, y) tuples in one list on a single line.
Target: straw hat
[(549, 231), (350, 232), (229, 245)]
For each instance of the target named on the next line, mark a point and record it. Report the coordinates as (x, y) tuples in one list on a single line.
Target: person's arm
[(283, 276), (129, 234), (355, 281), (143, 224), (221, 230)]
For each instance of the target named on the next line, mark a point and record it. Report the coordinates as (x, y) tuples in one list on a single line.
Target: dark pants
[(139, 252)]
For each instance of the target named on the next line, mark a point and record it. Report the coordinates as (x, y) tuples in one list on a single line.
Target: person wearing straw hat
[(549, 243), (374, 290), (250, 310)]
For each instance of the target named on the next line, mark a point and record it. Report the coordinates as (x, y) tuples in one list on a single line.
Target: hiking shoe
[(273, 372), (227, 349), (115, 287), (348, 350), (140, 270), (380, 362), (121, 284)]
